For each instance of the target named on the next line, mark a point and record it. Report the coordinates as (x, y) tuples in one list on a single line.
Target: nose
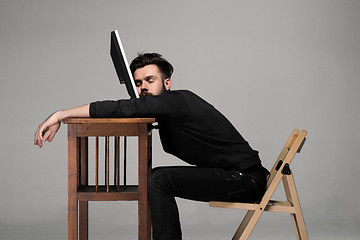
[(144, 86), (143, 89)]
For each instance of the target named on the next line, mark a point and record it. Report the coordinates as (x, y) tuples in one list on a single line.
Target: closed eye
[(150, 79), (138, 83)]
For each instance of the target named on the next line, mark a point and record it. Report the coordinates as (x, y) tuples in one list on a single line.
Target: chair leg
[(297, 217), (243, 224), (247, 225), (83, 220)]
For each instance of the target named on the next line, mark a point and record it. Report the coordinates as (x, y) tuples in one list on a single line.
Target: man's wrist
[(60, 115)]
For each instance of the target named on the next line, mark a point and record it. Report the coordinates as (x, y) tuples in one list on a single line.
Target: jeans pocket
[(244, 189)]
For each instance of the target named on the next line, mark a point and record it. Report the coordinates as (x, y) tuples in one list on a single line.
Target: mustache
[(145, 93)]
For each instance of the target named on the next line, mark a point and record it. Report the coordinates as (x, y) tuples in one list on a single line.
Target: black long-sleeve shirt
[(189, 127)]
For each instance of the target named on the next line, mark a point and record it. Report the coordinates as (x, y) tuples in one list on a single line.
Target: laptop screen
[(121, 64)]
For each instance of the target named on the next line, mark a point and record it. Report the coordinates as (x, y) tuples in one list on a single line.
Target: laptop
[(121, 64)]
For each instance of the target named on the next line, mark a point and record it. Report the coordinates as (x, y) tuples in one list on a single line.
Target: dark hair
[(144, 59)]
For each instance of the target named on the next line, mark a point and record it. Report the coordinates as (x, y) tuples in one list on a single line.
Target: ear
[(167, 84)]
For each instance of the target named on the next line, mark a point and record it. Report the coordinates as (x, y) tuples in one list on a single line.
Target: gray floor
[(190, 232), (217, 224)]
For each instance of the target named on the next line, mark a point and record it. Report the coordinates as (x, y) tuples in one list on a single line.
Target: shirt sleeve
[(167, 105)]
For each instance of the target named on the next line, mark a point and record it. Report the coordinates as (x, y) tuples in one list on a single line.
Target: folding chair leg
[(297, 217), (297, 228), (247, 225), (243, 224)]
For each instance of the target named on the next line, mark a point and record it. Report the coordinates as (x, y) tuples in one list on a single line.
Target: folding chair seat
[(280, 171)]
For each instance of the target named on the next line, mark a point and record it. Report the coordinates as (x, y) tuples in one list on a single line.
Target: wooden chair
[(280, 171)]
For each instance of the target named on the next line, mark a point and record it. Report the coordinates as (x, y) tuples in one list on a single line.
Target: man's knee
[(159, 180)]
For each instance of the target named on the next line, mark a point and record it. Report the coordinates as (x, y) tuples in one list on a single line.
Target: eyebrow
[(146, 78)]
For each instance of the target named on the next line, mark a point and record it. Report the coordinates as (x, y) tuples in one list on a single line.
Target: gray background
[(269, 66)]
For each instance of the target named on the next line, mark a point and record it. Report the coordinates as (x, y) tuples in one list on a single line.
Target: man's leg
[(200, 184)]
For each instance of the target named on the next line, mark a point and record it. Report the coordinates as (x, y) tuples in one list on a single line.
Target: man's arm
[(51, 125)]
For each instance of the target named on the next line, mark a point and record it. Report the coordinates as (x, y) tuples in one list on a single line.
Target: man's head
[(152, 74)]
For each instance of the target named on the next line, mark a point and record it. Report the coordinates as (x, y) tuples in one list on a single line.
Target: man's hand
[(51, 125), (47, 129)]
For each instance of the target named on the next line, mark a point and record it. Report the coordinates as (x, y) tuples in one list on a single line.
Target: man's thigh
[(205, 184)]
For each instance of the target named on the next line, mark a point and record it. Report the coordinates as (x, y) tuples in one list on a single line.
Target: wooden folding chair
[(280, 171)]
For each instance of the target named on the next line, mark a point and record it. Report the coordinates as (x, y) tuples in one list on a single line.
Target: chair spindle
[(97, 166)]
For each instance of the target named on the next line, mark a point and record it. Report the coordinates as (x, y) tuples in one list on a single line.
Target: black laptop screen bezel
[(121, 64)]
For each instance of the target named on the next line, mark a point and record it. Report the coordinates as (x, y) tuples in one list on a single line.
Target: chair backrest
[(292, 146)]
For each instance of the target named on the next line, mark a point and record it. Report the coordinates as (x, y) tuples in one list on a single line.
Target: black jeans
[(200, 184)]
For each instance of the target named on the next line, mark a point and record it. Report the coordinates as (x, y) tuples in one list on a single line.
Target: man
[(224, 166)]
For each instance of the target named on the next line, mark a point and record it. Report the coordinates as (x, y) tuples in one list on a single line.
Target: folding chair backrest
[(295, 137)]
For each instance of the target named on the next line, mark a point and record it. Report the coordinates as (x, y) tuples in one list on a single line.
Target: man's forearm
[(82, 111)]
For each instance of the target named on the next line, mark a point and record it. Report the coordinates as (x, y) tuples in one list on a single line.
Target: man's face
[(149, 81)]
